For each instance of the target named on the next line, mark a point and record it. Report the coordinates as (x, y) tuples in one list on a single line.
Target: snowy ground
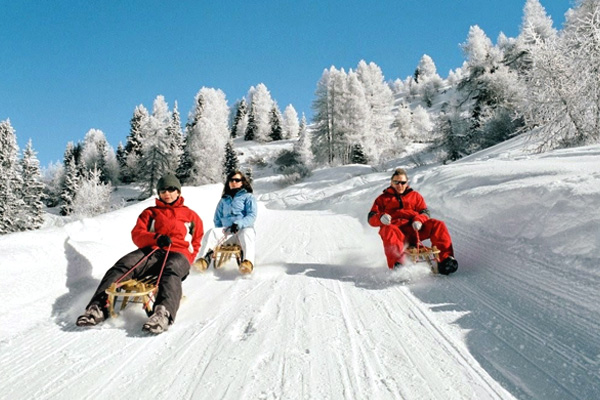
[(322, 317)]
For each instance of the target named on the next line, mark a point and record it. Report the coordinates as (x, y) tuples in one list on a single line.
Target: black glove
[(163, 241), (234, 228)]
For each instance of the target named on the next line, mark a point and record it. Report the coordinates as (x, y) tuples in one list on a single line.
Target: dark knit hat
[(167, 181)]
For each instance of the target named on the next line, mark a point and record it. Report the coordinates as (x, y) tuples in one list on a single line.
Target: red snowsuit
[(404, 209), (177, 221)]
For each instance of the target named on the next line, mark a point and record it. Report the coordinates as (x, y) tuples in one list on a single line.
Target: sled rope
[(151, 298), (136, 265)]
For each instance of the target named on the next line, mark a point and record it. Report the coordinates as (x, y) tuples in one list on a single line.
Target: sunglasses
[(235, 180), (169, 189), (399, 182)]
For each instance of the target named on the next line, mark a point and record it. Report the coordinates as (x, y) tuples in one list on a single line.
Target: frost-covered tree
[(355, 123), (231, 162), (536, 28), (323, 121), (291, 127), (206, 137), (380, 101), (422, 125), (403, 124), (175, 138), (156, 159), (11, 202), (330, 135), (53, 176), (70, 183), (97, 153), (240, 121), (490, 92), (429, 82), (276, 121), (454, 133), (133, 145), (563, 87), (261, 104), (33, 189), (303, 145), (93, 195)]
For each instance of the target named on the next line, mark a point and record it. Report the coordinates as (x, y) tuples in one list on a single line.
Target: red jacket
[(403, 208), (177, 221)]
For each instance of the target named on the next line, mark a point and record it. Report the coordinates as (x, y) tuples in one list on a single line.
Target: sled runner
[(224, 252), (132, 290), (421, 253), (143, 290)]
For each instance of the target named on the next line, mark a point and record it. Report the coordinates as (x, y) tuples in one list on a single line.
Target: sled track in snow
[(529, 307)]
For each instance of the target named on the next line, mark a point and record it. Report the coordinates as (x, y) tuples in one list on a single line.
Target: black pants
[(169, 293)]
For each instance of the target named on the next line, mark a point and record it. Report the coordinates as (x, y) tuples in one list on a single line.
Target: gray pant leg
[(170, 291), (115, 272)]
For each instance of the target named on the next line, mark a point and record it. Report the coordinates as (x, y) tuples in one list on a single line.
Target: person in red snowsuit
[(168, 229), (400, 212)]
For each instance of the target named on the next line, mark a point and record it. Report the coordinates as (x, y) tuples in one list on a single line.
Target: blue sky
[(69, 66)]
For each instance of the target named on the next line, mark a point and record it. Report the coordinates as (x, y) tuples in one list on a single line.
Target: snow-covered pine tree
[(429, 82), (380, 100), (358, 155), (33, 189), (303, 145), (240, 121), (53, 177), (156, 157), (251, 127), (121, 156), (355, 123), (185, 163), (403, 125), (261, 103), (290, 126), (11, 202), (231, 162), (207, 135), (422, 125), (563, 88), (175, 137), (536, 28), (97, 153), (275, 121), (71, 180), (93, 195), (454, 130), (133, 145), (491, 93), (329, 142), (322, 143)]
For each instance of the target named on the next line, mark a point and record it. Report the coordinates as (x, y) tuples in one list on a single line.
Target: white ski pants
[(246, 238)]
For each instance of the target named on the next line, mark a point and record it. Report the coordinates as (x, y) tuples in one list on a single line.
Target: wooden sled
[(430, 255), (132, 290), (223, 253)]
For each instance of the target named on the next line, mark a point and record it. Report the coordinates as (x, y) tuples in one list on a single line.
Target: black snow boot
[(448, 266)]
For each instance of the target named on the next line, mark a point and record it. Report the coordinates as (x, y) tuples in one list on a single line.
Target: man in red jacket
[(400, 212), (174, 231)]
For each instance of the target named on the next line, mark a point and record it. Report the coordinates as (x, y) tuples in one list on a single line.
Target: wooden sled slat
[(133, 290), (223, 253), (426, 254)]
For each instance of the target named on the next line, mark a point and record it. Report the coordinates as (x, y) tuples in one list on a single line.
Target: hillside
[(322, 317)]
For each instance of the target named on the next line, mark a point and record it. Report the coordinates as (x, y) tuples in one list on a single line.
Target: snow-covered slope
[(322, 317)]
